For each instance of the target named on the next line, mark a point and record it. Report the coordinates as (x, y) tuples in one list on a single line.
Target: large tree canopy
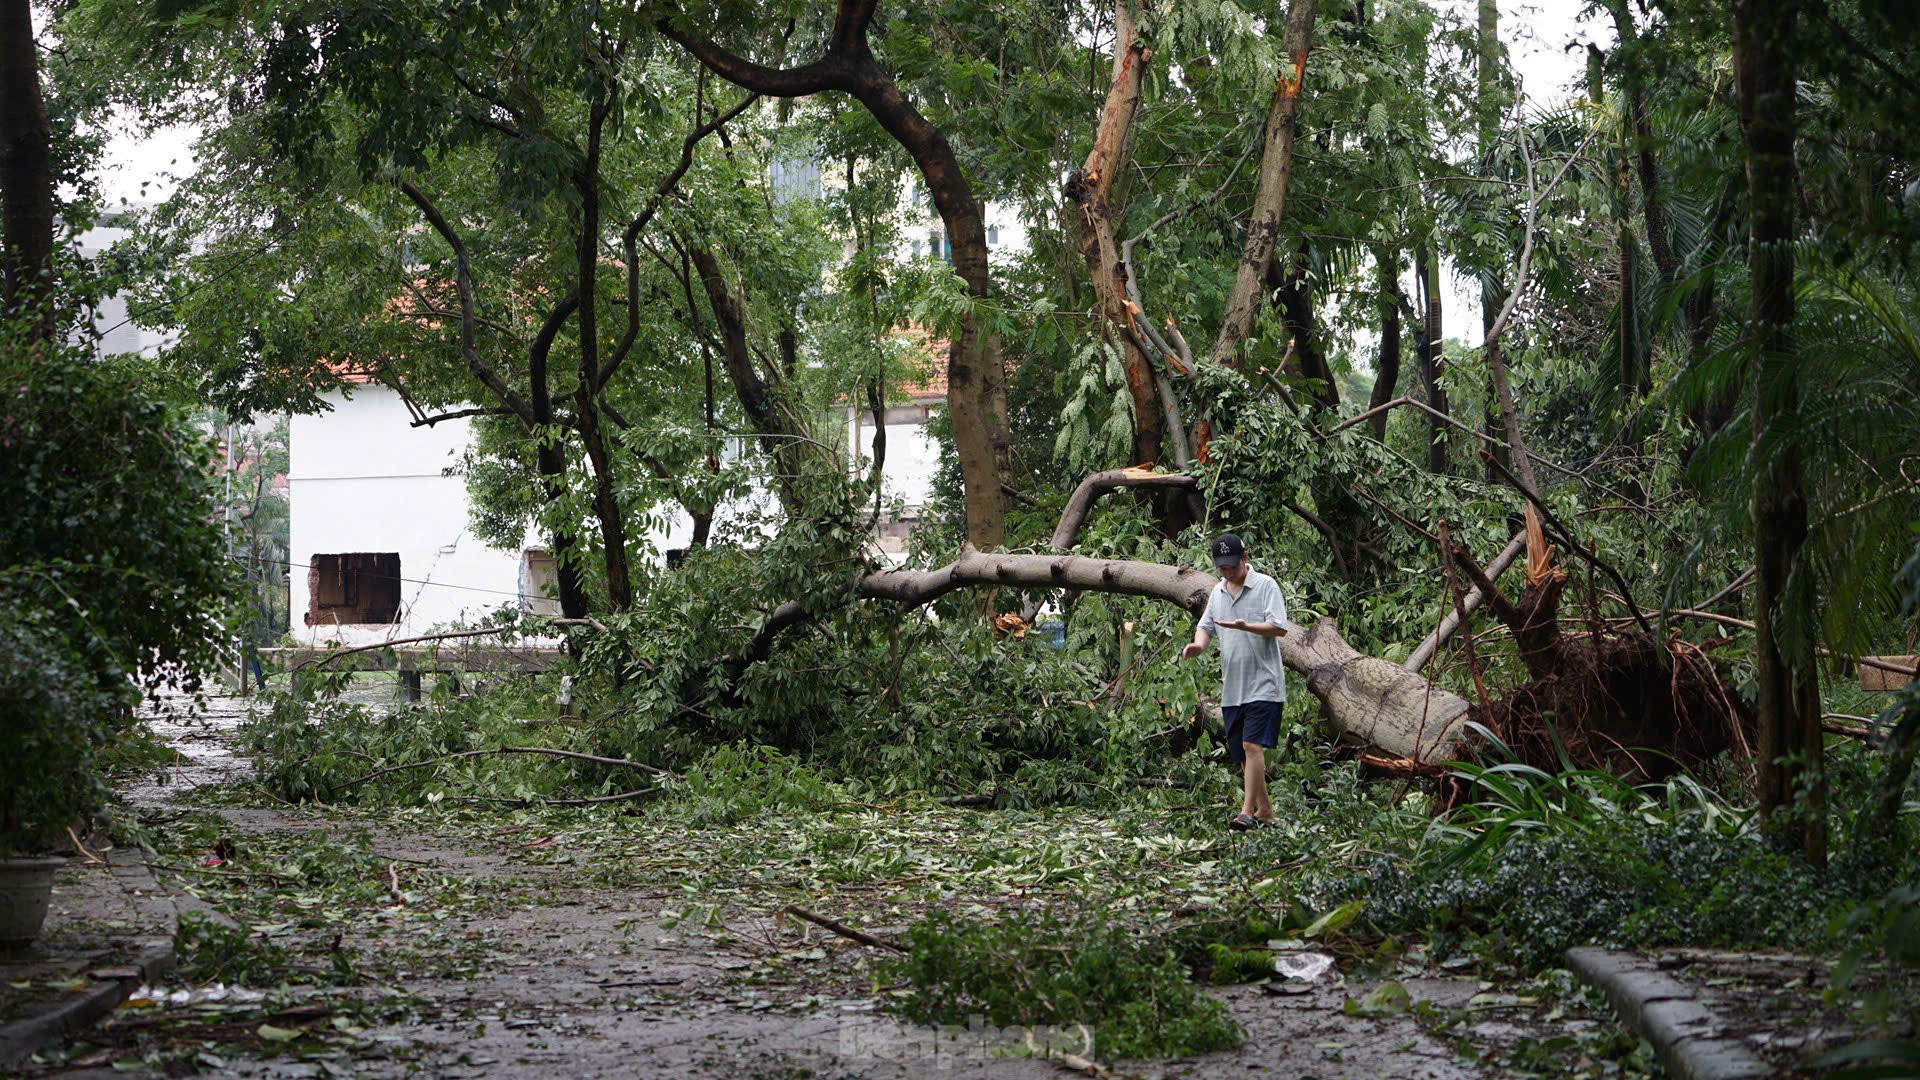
[(1695, 355)]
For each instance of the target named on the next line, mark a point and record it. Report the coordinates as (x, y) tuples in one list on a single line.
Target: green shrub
[(112, 575), (1035, 969), (737, 782)]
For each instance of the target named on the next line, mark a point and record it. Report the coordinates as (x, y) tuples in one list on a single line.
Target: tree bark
[(1270, 189), (1489, 105), (26, 171), (1386, 374), (550, 459), (1092, 189), (1792, 786)]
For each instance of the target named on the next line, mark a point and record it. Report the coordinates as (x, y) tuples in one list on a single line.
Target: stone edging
[(1688, 1038), (113, 985)]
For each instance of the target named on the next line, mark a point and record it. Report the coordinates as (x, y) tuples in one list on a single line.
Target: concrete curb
[(66, 1015), (1688, 1038), (20, 1039)]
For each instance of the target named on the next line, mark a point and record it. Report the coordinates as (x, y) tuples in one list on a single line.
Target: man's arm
[(1264, 629)]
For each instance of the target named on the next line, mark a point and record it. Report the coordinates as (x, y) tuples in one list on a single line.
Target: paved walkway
[(550, 974)]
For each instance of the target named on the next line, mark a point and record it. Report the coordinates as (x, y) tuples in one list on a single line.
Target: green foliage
[(1041, 969), (210, 951), (1543, 862), (112, 580), (737, 783), (312, 744)]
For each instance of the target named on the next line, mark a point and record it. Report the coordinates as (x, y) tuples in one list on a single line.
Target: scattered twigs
[(841, 928), (85, 853), (207, 871), (393, 885), (652, 980), (539, 750), (594, 800), (1566, 537), (322, 661)]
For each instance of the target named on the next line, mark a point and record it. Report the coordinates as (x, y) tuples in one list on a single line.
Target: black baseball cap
[(1227, 549)]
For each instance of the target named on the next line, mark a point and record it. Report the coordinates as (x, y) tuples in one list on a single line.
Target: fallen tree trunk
[(1368, 701)]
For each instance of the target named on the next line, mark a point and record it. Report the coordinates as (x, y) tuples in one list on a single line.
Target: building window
[(993, 234), (539, 583), (358, 588)]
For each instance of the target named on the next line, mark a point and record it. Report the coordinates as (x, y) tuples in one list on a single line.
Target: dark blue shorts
[(1254, 722)]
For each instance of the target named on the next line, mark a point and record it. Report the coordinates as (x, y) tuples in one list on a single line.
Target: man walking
[(1245, 611)]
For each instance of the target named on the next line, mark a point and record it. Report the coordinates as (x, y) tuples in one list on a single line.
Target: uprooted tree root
[(1620, 701)]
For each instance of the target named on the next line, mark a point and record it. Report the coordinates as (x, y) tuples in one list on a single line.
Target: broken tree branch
[(1475, 597), (1368, 700), (841, 928), (1567, 538), (448, 636), (537, 750), (1080, 503)]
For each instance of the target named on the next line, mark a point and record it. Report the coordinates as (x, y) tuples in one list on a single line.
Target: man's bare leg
[(1254, 803)]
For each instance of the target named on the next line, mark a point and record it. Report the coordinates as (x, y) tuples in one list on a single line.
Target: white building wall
[(361, 480)]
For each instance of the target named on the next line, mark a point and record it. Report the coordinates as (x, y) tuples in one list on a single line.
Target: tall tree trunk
[(1792, 785), (1270, 189), (606, 505), (1092, 189), (1632, 363), (26, 170), (1293, 295), (1633, 78), (550, 459), (976, 374), (781, 437), (1489, 105), (1386, 372), (1432, 359)]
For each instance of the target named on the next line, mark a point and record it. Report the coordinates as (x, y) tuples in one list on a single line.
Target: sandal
[(1244, 822)]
